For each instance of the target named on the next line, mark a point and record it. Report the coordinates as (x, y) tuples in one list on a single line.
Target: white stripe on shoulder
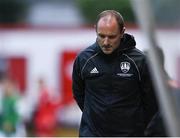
[(139, 51), (135, 65), (88, 61)]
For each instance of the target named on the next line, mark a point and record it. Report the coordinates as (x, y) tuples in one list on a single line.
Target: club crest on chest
[(125, 66)]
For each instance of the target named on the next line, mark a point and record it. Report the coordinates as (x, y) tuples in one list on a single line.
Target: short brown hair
[(114, 13)]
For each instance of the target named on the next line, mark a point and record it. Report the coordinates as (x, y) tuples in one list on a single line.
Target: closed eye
[(102, 36), (112, 36)]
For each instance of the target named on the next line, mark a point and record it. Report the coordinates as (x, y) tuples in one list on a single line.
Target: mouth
[(107, 48)]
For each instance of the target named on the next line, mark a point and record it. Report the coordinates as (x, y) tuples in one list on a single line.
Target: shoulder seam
[(139, 51), (135, 66), (88, 61)]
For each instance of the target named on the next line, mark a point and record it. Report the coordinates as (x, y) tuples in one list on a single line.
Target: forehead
[(108, 24)]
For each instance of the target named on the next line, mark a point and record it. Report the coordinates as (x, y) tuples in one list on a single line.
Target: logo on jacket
[(94, 70), (125, 67)]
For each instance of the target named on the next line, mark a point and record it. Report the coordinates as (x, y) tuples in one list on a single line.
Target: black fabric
[(156, 127)]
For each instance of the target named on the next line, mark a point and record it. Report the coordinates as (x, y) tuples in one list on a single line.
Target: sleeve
[(148, 94), (78, 84)]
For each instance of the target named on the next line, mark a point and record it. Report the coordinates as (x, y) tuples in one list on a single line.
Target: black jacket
[(156, 127), (113, 91)]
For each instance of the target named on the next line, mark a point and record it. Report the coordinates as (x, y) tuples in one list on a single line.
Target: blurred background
[(39, 40)]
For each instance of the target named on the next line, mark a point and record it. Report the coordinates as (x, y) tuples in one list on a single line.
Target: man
[(111, 83), (156, 126)]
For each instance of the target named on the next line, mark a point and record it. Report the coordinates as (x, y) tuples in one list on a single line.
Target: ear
[(123, 30)]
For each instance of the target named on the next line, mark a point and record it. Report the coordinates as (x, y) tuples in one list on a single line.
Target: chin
[(107, 52)]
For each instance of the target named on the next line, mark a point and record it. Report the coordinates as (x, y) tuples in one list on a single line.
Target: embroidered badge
[(125, 67)]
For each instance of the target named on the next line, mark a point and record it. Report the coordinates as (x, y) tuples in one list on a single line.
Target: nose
[(106, 41)]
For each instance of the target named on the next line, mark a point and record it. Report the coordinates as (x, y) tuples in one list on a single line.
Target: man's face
[(108, 34)]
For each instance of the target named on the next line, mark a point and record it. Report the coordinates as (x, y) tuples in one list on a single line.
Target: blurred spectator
[(10, 120), (45, 119), (157, 127), (172, 83)]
